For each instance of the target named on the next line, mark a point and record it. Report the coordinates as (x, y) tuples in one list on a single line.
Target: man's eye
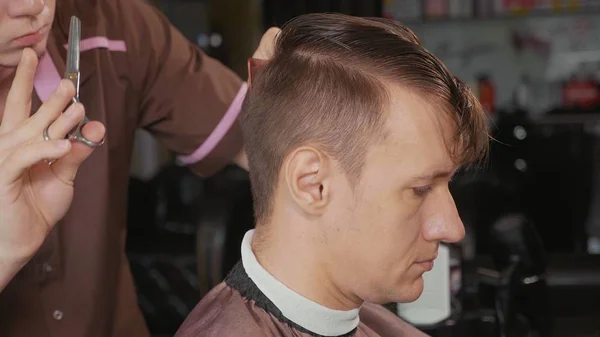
[(422, 191)]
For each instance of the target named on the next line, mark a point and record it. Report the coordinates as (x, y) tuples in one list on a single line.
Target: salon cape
[(252, 303)]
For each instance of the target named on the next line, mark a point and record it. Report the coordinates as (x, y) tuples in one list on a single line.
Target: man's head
[(353, 131), (23, 23)]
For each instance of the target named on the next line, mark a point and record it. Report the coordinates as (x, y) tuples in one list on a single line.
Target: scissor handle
[(77, 135)]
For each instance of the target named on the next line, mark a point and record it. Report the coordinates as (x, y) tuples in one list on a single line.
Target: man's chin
[(10, 59), (404, 292), (413, 291), (39, 48), (409, 292)]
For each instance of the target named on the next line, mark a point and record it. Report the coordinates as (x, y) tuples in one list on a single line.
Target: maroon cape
[(236, 307)]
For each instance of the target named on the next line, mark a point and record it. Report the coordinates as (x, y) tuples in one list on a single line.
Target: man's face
[(23, 23), (382, 237)]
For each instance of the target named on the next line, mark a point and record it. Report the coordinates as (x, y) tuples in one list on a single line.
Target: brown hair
[(326, 85)]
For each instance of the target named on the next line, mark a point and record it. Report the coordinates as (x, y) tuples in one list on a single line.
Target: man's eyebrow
[(437, 174)]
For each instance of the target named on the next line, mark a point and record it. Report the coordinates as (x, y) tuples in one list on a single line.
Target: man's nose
[(444, 223), (19, 8)]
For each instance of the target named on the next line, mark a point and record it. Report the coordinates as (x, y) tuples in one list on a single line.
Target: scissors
[(72, 74)]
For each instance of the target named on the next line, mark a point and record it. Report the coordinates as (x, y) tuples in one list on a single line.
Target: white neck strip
[(295, 307)]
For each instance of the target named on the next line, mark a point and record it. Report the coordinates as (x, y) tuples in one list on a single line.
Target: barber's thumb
[(67, 166)]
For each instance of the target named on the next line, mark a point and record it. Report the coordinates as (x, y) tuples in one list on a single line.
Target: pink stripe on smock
[(101, 42), (47, 77), (220, 131)]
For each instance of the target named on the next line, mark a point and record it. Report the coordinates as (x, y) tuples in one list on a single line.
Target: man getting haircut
[(353, 131)]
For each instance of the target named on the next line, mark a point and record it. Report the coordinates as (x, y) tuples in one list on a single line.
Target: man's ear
[(308, 179), (254, 66)]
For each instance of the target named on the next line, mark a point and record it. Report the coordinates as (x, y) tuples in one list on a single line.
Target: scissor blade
[(73, 51), (72, 69)]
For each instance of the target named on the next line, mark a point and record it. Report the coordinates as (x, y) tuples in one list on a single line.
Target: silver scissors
[(72, 74)]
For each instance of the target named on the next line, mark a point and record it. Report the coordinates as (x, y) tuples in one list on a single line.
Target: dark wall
[(277, 12)]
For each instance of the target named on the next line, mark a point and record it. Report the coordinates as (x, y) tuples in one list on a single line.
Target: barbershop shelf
[(580, 270), (564, 270), (587, 326), (558, 119), (574, 291), (507, 16)]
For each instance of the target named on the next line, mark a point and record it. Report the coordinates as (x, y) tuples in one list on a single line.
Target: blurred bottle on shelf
[(487, 93), (403, 10), (461, 9), (485, 8), (437, 9), (522, 95), (581, 93)]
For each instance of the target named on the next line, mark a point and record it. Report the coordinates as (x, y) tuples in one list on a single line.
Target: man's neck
[(290, 256)]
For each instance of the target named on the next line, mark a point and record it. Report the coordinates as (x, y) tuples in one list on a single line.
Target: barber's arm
[(188, 100), (34, 196)]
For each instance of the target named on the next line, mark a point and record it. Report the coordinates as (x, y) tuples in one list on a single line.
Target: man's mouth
[(31, 39), (427, 265)]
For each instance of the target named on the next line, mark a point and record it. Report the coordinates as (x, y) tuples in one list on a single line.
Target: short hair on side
[(327, 86)]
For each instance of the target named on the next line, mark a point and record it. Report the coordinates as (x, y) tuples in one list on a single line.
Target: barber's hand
[(34, 196), (266, 47)]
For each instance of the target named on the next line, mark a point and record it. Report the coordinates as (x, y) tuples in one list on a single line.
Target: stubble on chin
[(11, 60), (9, 63)]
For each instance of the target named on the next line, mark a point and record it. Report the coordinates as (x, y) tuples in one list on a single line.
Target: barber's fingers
[(50, 111), (53, 106), (18, 101), (66, 168), (266, 47), (18, 161), (57, 130), (66, 121)]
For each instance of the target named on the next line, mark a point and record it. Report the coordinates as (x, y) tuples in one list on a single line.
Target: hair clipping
[(254, 66)]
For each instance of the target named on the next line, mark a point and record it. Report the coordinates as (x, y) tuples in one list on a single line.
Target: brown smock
[(137, 71)]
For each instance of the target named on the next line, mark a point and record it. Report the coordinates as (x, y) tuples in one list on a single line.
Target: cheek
[(406, 238), (400, 241), (6, 25), (49, 8), (404, 224), (393, 230)]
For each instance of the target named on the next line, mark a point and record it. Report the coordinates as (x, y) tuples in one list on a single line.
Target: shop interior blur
[(530, 263)]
